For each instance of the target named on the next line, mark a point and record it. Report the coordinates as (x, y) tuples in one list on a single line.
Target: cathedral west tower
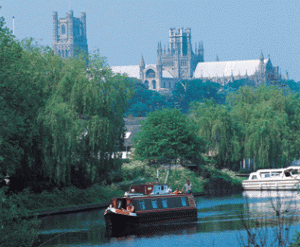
[(69, 35)]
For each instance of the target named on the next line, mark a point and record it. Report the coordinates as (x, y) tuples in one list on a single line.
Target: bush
[(16, 227), (221, 180), (243, 171)]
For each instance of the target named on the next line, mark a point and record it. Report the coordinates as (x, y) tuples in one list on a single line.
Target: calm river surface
[(218, 224)]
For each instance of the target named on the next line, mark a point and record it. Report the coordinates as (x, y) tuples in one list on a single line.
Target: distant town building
[(180, 62), (132, 126), (69, 35)]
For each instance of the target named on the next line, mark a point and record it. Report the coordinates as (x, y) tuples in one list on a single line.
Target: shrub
[(16, 227)]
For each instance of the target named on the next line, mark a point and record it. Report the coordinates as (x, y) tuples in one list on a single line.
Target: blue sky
[(122, 30)]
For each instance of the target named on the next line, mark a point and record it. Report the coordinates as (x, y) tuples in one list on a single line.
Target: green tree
[(20, 101), (261, 126), (84, 121), (168, 135), (188, 91), (145, 101), (214, 127), (48, 104)]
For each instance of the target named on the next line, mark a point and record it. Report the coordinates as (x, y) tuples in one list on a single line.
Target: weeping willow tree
[(60, 118), (214, 128), (261, 126), (84, 121), (258, 123)]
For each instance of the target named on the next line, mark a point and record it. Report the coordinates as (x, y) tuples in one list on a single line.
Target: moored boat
[(146, 205), (273, 179)]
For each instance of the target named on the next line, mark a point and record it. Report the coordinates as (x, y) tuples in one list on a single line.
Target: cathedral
[(181, 62), (69, 35)]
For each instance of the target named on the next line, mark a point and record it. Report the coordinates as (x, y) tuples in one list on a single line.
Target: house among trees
[(132, 126)]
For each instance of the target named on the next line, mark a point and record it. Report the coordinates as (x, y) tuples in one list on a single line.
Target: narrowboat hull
[(151, 211), (119, 223)]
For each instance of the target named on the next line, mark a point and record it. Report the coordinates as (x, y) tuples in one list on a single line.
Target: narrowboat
[(148, 205), (273, 179)]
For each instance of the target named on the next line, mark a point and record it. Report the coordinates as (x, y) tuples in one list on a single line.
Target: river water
[(220, 222)]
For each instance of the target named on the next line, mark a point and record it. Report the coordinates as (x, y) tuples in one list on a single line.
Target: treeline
[(187, 91), (61, 119), (262, 124)]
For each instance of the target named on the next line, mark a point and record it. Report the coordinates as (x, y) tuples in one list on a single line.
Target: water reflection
[(219, 220)]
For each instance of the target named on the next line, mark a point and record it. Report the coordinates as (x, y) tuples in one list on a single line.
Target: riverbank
[(72, 199), (17, 209)]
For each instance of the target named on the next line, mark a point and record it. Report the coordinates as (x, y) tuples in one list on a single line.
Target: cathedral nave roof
[(220, 69)]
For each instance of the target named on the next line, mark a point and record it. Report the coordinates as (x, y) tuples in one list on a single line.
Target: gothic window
[(63, 53), (67, 53), (183, 63), (63, 29), (59, 52), (147, 84), (150, 73), (154, 84), (163, 84), (169, 84)]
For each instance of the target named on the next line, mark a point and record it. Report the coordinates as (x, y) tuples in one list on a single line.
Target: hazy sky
[(124, 29)]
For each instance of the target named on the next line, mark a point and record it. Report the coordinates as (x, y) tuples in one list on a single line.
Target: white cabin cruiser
[(274, 179)]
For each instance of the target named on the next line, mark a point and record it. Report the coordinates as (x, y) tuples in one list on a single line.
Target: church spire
[(142, 62), (217, 59), (261, 57), (159, 62)]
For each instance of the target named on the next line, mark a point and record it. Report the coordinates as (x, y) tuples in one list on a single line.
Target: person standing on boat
[(187, 187)]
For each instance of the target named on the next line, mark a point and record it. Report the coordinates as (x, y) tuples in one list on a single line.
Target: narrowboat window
[(142, 205), (149, 188), (154, 203), (183, 201), (164, 203), (254, 177), (162, 187)]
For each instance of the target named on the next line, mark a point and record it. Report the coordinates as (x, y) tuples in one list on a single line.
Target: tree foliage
[(62, 119), (214, 128), (187, 91), (167, 135), (17, 228), (258, 123), (145, 101)]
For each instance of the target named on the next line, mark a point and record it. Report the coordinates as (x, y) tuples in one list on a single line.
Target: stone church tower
[(180, 60), (69, 35)]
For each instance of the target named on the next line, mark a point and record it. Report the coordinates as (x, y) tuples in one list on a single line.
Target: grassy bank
[(15, 209), (134, 172)]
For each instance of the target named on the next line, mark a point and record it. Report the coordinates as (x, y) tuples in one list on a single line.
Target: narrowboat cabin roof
[(148, 189)]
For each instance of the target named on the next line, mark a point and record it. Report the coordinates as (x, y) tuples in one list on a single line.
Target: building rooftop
[(220, 69)]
